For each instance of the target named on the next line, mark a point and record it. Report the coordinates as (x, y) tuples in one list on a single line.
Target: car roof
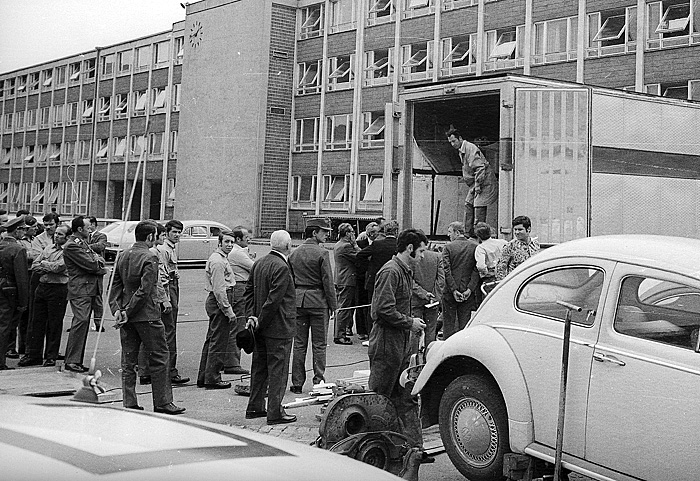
[(76, 441), (678, 254)]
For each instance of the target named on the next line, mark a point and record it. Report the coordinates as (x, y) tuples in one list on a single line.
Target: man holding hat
[(315, 295), (14, 282)]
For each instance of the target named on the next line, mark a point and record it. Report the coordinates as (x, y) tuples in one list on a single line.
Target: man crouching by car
[(390, 339)]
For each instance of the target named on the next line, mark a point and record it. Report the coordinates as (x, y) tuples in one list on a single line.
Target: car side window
[(659, 310), (197, 231), (214, 231), (578, 285)]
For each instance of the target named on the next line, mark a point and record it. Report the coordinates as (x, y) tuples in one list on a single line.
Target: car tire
[(474, 427)]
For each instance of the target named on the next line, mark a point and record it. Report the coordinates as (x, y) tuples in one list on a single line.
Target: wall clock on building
[(196, 34)]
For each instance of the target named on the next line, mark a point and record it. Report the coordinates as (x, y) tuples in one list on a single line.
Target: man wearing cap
[(315, 294), (14, 282), (219, 282), (85, 270)]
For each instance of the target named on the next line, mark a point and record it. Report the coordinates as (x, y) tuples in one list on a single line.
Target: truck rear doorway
[(438, 188)]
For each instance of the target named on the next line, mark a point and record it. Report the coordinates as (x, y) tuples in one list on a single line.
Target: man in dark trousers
[(461, 280), (429, 274), (97, 242), (14, 283), (270, 305), (315, 295), (345, 254), (132, 300), (219, 282), (85, 270), (379, 253), (363, 321), (390, 339)]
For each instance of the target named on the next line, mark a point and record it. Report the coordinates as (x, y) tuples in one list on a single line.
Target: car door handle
[(608, 358)]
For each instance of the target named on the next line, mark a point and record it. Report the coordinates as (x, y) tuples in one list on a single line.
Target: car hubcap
[(474, 432)]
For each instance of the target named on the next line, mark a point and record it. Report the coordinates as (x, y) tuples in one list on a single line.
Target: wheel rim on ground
[(474, 431)]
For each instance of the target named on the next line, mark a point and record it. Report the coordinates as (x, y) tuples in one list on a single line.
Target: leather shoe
[(144, 379), (73, 367), (6, 368), (169, 408), (49, 362), (362, 337), (255, 414), (29, 361), (179, 379), (236, 370), (218, 385), (137, 407), (342, 340), (12, 354), (200, 384), (287, 418), (61, 357), (295, 389)]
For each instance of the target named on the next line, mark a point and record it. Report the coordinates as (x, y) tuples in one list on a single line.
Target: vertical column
[(528, 37), (322, 108), (480, 39), (357, 119), (581, 40), (639, 51)]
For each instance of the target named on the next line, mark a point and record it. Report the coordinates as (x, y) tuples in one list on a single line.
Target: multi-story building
[(285, 103)]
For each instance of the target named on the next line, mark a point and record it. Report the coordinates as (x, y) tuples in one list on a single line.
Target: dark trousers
[(429, 316), (270, 367), (233, 352), (97, 304), (152, 335), (389, 354), (75, 348), (24, 328), (214, 350), (170, 325), (47, 320), (363, 321), (316, 321), (347, 297), (455, 315), (473, 215), (9, 317)]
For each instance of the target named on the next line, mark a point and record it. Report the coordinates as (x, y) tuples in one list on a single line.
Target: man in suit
[(345, 254), (271, 308), (97, 242), (85, 270), (133, 302), (363, 321), (315, 295), (461, 280), (14, 283), (429, 274), (379, 253)]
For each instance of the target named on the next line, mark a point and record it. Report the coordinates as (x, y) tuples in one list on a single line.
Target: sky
[(36, 31)]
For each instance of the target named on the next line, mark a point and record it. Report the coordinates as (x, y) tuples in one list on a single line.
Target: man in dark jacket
[(378, 253), (461, 280), (345, 255), (315, 295), (97, 242), (390, 340), (85, 270), (270, 306), (132, 300), (14, 283)]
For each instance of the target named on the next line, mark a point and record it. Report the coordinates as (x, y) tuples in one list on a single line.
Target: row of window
[(70, 152), (338, 134), (121, 63), (610, 32), (335, 191), (69, 198), (121, 106)]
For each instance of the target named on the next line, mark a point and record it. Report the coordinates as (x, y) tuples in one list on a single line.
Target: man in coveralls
[(390, 339), (14, 282)]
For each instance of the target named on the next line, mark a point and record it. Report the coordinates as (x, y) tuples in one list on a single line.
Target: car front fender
[(485, 346)]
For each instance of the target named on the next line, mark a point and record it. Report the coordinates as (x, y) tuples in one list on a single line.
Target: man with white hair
[(271, 309)]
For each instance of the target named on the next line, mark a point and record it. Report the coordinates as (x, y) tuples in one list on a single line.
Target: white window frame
[(67, 198), (173, 144), (311, 21), (9, 84), (119, 144), (161, 53), (141, 53), (417, 8), (339, 23), (60, 74), (342, 72), (46, 79), (137, 145), (21, 84), (160, 100), (541, 53), (309, 82), (7, 155), (616, 42), (296, 191), (107, 65), (28, 155), (156, 148), (88, 70), (373, 187), (55, 151), (666, 28), (417, 61), (105, 111), (374, 125), (140, 102), (85, 151), (19, 121), (694, 90), (121, 106), (74, 73), (381, 11), (88, 111), (8, 121), (102, 150), (72, 113), (379, 69), (333, 143), (179, 50), (42, 155), (31, 119), (331, 184), (122, 66), (32, 82), (44, 117), (455, 4), (177, 89), (504, 48), (69, 150), (301, 126), (52, 193), (57, 115), (453, 51)]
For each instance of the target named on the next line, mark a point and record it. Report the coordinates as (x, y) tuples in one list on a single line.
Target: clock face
[(196, 34)]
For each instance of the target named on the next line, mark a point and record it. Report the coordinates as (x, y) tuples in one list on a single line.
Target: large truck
[(579, 160)]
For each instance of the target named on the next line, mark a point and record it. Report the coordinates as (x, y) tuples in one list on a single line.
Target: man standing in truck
[(480, 178)]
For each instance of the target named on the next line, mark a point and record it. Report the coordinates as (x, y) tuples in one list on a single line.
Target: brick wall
[(275, 174), (672, 65), (548, 9), (504, 14), (455, 22), (617, 71), (341, 43)]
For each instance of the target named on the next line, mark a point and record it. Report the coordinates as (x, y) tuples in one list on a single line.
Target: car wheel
[(474, 427)]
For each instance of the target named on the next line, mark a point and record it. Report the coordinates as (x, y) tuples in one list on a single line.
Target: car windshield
[(111, 227)]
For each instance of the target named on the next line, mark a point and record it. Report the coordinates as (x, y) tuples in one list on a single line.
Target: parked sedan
[(199, 239), (67, 440), (632, 410)]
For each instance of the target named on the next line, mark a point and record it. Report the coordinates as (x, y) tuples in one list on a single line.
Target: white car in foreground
[(633, 396), (68, 440)]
